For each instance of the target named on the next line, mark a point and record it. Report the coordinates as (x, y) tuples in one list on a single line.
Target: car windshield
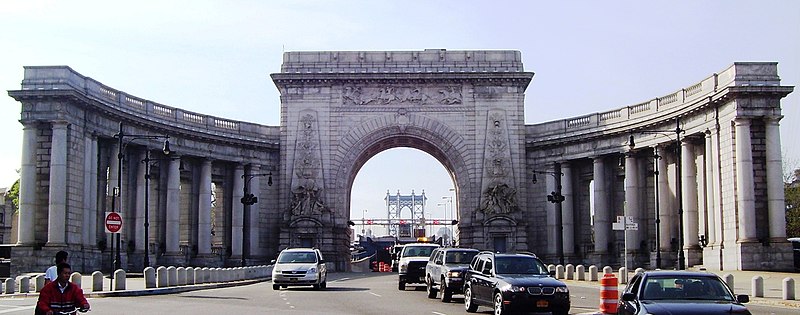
[(685, 288), (297, 257), (520, 265), (418, 251), (459, 257)]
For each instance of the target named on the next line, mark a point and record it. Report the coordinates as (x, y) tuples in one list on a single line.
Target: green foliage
[(792, 195), (13, 194)]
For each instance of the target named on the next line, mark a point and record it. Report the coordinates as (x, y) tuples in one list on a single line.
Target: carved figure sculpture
[(499, 199)]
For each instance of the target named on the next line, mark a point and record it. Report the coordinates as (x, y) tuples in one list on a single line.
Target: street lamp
[(120, 136), (363, 218), (146, 162), (556, 198), (248, 200), (449, 229), (678, 188)]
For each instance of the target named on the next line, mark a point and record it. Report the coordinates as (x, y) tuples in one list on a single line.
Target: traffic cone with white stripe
[(609, 294)]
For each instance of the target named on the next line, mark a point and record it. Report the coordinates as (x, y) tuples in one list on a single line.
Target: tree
[(13, 194), (792, 196)]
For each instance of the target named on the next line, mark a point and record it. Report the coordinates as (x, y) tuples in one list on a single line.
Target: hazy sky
[(215, 57)]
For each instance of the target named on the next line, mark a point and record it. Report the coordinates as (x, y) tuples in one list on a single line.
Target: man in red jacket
[(61, 295)]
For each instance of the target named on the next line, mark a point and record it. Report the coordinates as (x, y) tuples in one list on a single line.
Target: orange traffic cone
[(609, 294)]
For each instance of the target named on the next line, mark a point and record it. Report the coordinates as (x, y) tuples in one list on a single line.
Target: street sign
[(113, 222), (628, 224)]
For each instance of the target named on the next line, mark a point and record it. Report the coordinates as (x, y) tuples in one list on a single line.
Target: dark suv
[(445, 271), (511, 282)]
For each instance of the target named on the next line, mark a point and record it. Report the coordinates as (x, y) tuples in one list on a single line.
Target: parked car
[(680, 292), (412, 262), (445, 271), (299, 266), (513, 282)]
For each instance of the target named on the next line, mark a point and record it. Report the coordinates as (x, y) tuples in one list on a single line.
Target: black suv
[(510, 282), (445, 271)]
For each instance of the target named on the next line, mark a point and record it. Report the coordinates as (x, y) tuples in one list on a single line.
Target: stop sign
[(113, 222)]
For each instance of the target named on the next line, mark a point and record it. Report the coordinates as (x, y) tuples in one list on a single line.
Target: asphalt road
[(347, 293)]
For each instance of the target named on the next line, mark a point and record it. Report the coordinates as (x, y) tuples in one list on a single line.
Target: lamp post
[(444, 215), (679, 189), (363, 218), (248, 200), (449, 201), (657, 157), (120, 142), (556, 198), (146, 162)]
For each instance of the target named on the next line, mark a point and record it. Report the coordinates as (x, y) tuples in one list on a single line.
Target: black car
[(445, 271), (513, 282), (680, 292)]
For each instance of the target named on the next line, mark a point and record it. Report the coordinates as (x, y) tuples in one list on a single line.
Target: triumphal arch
[(696, 174)]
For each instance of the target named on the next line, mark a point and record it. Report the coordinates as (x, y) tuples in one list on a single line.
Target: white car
[(299, 266)]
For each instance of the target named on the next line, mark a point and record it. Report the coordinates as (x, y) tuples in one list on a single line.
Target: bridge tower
[(395, 205)]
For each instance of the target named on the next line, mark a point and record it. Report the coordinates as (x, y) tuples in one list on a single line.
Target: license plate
[(541, 303)]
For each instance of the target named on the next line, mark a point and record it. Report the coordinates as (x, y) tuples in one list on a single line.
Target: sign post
[(113, 222), (625, 223)]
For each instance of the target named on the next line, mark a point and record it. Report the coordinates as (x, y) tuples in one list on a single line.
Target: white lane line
[(22, 308), (437, 313), (342, 279), (375, 294)]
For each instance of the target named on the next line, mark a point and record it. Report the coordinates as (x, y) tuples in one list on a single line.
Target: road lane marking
[(437, 313), (375, 294), (342, 279)]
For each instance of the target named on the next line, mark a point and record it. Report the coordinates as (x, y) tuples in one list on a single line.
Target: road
[(347, 293)]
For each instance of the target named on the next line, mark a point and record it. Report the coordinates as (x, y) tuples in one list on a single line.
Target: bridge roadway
[(347, 293)]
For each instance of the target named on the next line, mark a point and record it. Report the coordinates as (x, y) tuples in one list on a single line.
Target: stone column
[(716, 182), (204, 210), (632, 200), (775, 193), (173, 214), (89, 212), (602, 225), (255, 213), (550, 209), (745, 193), (57, 209), (689, 192), (237, 216), (665, 210), (140, 209), (27, 187), (567, 211), (94, 208), (711, 209)]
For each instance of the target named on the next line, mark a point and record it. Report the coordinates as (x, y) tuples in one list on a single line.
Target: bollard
[(788, 289), (639, 270), (623, 275), (97, 281), (592, 273), (119, 280), (560, 272), (608, 294), (190, 274), (580, 272), (757, 286), (172, 276), (551, 268), (9, 285), (607, 270), (728, 278), (181, 276), (38, 283), (162, 279), (24, 284), (570, 272), (75, 278), (149, 277)]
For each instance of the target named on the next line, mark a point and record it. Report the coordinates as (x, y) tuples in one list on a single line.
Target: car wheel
[(324, 284), (469, 304), (276, 287), (401, 285), (446, 293), (431, 291), (498, 304), (316, 287)]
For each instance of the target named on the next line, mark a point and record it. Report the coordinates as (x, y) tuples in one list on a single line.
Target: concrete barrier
[(728, 278), (24, 285), (593, 273), (623, 275), (172, 276), (788, 289), (757, 286), (607, 270), (76, 278), (560, 272), (97, 281), (190, 274), (149, 277), (120, 280), (581, 272), (162, 278), (639, 270), (206, 274), (551, 268), (9, 286), (38, 283), (181, 276), (570, 272)]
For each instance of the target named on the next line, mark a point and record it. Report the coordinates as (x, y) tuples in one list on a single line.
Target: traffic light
[(555, 197), (249, 199)]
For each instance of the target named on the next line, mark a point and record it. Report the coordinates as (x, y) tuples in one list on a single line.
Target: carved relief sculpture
[(355, 95), (498, 197), (307, 197)]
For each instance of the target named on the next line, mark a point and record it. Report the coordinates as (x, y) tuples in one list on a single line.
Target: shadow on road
[(213, 297), (334, 289)]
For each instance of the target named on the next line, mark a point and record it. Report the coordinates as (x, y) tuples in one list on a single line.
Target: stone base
[(207, 260), (601, 260), (694, 256), (776, 256), (667, 260), (712, 257), (172, 259)]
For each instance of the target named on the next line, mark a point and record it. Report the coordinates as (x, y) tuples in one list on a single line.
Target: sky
[(215, 57)]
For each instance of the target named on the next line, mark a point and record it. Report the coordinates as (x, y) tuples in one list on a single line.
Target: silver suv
[(299, 266)]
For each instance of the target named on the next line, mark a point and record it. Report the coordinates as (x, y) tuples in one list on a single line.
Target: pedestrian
[(51, 273), (61, 296)]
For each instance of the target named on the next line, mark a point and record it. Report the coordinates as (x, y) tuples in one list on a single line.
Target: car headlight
[(453, 274), (403, 268), (312, 270), (512, 288), (562, 290)]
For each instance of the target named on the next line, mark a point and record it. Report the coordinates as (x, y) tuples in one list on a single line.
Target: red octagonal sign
[(113, 222)]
